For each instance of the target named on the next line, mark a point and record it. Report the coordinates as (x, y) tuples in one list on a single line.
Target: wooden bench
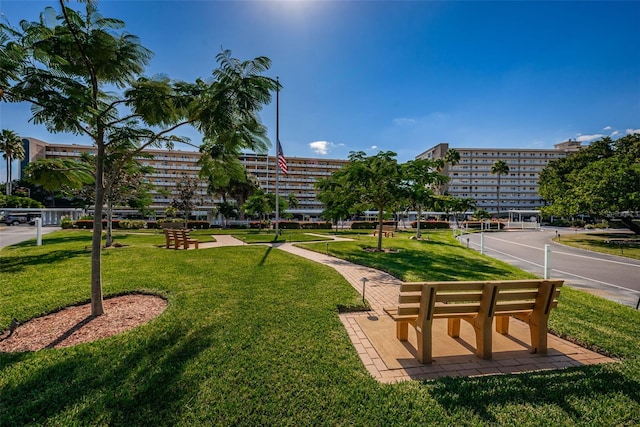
[(179, 238), (184, 240), (170, 236), (477, 303), (387, 230)]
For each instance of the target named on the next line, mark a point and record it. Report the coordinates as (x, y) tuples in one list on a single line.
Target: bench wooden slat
[(442, 286), (527, 284), (514, 306), (456, 308)]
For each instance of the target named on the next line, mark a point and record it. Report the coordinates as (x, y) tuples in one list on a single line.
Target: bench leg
[(453, 327), (424, 340), (538, 329), (402, 330), (482, 329), (502, 324)]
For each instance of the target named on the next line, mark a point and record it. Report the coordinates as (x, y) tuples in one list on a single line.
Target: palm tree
[(452, 157), (499, 168), (12, 149)]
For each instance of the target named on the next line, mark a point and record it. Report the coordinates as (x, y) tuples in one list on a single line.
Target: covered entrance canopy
[(524, 219)]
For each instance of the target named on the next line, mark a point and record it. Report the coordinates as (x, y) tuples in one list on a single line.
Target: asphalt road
[(612, 277), (12, 234)]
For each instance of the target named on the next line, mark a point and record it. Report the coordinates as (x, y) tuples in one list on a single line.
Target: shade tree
[(83, 74), (601, 180)]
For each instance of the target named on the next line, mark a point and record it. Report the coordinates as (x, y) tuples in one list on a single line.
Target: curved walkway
[(389, 360)]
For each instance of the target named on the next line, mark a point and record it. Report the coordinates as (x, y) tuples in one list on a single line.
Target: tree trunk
[(498, 197), (380, 213), (97, 306), (418, 235), (109, 240), (9, 175)]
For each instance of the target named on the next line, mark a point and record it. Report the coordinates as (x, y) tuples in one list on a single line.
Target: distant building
[(472, 177), (171, 165)]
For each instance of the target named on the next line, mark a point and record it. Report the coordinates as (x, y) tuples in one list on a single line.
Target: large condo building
[(171, 165), (472, 177)]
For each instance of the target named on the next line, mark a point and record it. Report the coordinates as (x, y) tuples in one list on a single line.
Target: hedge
[(132, 224), (363, 225), (316, 225), (424, 225), (287, 225), (88, 224)]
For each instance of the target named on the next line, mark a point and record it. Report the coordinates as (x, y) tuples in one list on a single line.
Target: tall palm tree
[(452, 157), (12, 149), (499, 168)]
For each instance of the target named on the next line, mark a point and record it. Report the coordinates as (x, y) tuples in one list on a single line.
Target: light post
[(364, 285)]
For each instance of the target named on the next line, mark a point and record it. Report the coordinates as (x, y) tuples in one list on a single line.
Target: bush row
[(424, 225), (134, 224), (296, 225), (368, 225)]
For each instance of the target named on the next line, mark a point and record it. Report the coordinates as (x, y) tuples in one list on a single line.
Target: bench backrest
[(488, 298)]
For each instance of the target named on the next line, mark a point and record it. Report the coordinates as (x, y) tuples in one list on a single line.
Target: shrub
[(66, 223), (259, 224), (559, 222), (425, 225), (363, 225), (198, 224), (316, 225), (132, 224), (170, 223), (287, 225), (87, 224)]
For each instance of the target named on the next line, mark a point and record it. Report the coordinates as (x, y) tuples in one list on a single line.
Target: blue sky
[(402, 75)]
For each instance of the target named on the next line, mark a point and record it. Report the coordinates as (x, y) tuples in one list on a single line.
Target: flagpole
[(277, 155)]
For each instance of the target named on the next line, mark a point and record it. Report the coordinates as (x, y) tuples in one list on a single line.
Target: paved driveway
[(612, 277), (12, 234)]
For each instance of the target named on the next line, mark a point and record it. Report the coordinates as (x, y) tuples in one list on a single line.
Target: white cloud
[(585, 138), (374, 147), (321, 147), (607, 128), (630, 131), (614, 133)]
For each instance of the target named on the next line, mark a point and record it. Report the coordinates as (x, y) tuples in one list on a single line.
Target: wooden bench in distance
[(477, 303), (170, 236), (184, 240), (387, 230)]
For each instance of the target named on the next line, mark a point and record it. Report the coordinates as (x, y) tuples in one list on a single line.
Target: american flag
[(282, 161)]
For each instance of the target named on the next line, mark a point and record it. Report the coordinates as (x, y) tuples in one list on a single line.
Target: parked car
[(17, 220)]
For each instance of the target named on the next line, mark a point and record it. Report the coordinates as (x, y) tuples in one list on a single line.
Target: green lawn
[(268, 236), (607, 243), (437, 257), (251, 336)]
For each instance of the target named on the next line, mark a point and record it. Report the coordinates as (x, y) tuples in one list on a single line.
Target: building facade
[(171, 165), (472, 177)]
